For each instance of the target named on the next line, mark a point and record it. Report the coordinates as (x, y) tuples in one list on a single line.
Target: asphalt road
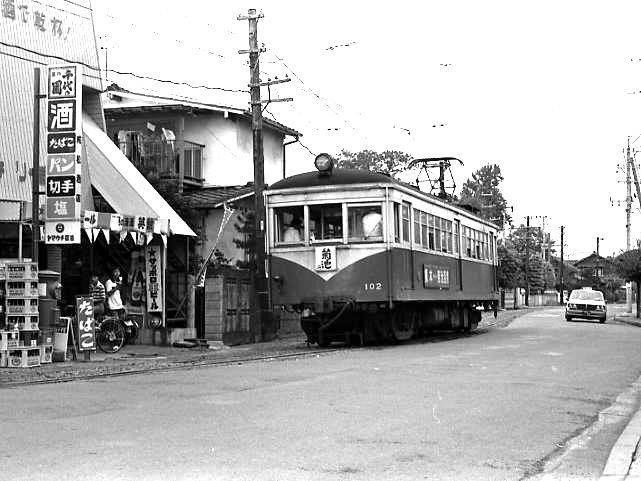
[(499, 404)]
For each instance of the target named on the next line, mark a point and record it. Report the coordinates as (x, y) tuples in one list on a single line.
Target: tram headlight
[(324, 163)]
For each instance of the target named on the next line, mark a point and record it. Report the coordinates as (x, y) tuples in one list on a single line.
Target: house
[(195, 144), (593, 266)]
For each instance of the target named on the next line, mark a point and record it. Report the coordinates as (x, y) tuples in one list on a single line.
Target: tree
[(482, 192), (391, 162), (628, 266), (509, 270)]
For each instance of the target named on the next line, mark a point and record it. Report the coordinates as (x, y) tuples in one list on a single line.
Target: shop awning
[(125, 189)]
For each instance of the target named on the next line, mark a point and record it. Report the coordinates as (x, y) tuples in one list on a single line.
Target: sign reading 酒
[(64, 131)]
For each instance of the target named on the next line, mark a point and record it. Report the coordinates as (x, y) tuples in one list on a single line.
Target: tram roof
[(337, 177)]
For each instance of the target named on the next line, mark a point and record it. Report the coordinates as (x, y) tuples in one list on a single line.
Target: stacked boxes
[(19, 341)]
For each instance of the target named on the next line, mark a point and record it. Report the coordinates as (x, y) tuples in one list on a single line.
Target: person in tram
[(372, 225), (293, 232), (113, 287)]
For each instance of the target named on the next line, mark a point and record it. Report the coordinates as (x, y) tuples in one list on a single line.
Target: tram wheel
[(402, 325)]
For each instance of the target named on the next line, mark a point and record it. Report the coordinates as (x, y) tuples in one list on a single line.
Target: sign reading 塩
[(64, 131), (86, 323)]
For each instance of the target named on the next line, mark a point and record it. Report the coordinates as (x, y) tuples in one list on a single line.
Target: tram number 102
[(373, 286)]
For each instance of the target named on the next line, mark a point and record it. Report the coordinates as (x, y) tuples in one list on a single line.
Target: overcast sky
[(541, 88)]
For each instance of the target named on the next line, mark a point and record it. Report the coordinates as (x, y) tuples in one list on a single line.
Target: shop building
[(118, 219)]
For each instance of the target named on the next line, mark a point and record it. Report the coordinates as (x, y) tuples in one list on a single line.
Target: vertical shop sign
[(86, 323), (153, 271), (64, 131)]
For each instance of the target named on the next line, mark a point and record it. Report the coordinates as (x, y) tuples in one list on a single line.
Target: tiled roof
[(214, 197)]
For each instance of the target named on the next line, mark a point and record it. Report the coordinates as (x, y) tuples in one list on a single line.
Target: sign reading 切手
[(86, 323), (64, 131)]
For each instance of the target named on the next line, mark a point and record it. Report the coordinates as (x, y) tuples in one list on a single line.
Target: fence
[(515, 298)]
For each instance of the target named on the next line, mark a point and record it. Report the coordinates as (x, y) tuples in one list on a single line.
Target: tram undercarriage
[(366, 323)]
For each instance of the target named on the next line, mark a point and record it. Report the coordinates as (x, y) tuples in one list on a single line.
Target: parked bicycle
[(113, 332)]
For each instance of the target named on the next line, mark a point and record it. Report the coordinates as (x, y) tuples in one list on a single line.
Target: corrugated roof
[(214, 197), (121, 184)]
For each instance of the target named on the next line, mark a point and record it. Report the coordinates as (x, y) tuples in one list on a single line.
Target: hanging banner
[(153, 271), (62, 167)]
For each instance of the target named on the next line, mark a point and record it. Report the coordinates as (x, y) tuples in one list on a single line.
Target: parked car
[(586, 303)]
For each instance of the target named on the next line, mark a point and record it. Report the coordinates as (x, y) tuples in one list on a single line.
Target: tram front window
[(325, 222), (365, 223), (289, 225)]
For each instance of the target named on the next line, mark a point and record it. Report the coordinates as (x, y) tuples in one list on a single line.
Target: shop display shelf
[(46, 354), (23, 357)]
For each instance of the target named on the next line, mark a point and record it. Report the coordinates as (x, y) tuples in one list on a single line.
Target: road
[(498, 404)]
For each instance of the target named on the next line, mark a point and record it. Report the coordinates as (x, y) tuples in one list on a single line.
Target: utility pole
[(562, 265), (527, 262), (259, 284), (628, 211), (597, 244), (260, 293), (35, 172)]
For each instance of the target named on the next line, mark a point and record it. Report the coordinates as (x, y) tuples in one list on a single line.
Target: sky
[(544, 89)]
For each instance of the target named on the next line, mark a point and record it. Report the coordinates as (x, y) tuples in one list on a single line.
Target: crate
[(3, 272), (22, 306), (23, 357), (3, 358), (9, 339), (46, 354), (22, 289), (29, 323), (22, 271)]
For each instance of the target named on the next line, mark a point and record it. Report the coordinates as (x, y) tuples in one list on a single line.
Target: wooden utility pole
[(259, 284), (260, 299), (527, 262), (562, 265)]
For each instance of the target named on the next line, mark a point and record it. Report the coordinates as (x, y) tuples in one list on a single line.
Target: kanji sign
[(436, 277), (63, 164), (153, 271), (326, 258)]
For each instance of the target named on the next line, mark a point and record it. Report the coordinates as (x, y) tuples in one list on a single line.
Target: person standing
[(114, 300), (97, 291)]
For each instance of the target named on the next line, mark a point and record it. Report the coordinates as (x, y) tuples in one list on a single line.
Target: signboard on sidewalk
[(86, 323), (153, 271), (64, 133)]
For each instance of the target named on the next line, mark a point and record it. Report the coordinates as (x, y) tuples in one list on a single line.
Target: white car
[(586, 303)]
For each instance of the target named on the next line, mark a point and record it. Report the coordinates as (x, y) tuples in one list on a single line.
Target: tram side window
[(431, 233), (455, 235), (365, 223), (406, 221), (397, 222), (417, 227), (424, 238), (448, 236), (289, 225), (325, 222)]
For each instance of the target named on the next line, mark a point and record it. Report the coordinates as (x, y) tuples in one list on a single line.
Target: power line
[(144, 77)]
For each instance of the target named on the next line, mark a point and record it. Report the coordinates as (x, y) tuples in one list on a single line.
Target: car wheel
[(568, 318), (602, 321)]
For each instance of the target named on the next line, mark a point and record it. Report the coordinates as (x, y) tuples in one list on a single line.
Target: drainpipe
[(285, 145)]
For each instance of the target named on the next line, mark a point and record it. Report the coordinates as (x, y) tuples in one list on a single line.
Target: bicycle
[(113, 332)]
